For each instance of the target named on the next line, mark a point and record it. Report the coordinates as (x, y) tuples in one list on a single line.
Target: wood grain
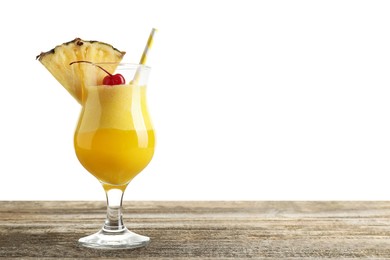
[(202, 230)]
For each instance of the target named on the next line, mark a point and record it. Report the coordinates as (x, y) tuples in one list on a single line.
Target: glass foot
[(114, 240)]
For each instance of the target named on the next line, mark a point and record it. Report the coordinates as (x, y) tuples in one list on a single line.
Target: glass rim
[(124, 65)]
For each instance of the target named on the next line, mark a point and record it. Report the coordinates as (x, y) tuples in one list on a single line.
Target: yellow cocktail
[(114, 138), (114, 141)]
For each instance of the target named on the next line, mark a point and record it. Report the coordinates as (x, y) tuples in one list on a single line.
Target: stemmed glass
[(114, 141)]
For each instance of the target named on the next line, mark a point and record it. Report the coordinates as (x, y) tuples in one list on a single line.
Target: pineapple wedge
[(74, 78)]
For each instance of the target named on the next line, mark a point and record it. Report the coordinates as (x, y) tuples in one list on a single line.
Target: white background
[(251, 100)]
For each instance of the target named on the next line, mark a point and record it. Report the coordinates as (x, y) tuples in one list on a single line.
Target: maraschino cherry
[(110, 79)]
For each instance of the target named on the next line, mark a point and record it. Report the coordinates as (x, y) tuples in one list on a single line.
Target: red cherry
[(112, 80)]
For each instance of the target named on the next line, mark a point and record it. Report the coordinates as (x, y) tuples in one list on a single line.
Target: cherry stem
[(83, 61)]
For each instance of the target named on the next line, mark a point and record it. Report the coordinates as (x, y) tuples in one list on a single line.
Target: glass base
[(114, 240)]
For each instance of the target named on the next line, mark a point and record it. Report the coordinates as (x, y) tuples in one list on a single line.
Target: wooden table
[(202, 230)]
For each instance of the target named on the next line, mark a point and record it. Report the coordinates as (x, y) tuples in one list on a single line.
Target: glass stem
[(114, 221)]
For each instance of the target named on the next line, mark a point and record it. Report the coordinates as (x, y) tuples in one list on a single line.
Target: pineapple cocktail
[(114, 139)]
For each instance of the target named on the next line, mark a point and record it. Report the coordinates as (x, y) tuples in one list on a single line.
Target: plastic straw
[(147, 47), (144, 55)]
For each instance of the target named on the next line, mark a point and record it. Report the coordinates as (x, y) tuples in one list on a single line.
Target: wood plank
[(202, 230)]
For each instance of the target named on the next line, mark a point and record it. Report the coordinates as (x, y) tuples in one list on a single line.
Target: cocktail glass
[(114, 141)]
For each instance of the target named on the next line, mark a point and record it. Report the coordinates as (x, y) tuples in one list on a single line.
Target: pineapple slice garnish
[(74, 78)]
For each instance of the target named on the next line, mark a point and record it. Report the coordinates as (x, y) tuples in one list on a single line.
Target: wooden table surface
[(201, 230)]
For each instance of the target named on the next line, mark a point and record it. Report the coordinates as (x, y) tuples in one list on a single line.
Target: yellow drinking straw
[(147, 47), (144, 54)]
